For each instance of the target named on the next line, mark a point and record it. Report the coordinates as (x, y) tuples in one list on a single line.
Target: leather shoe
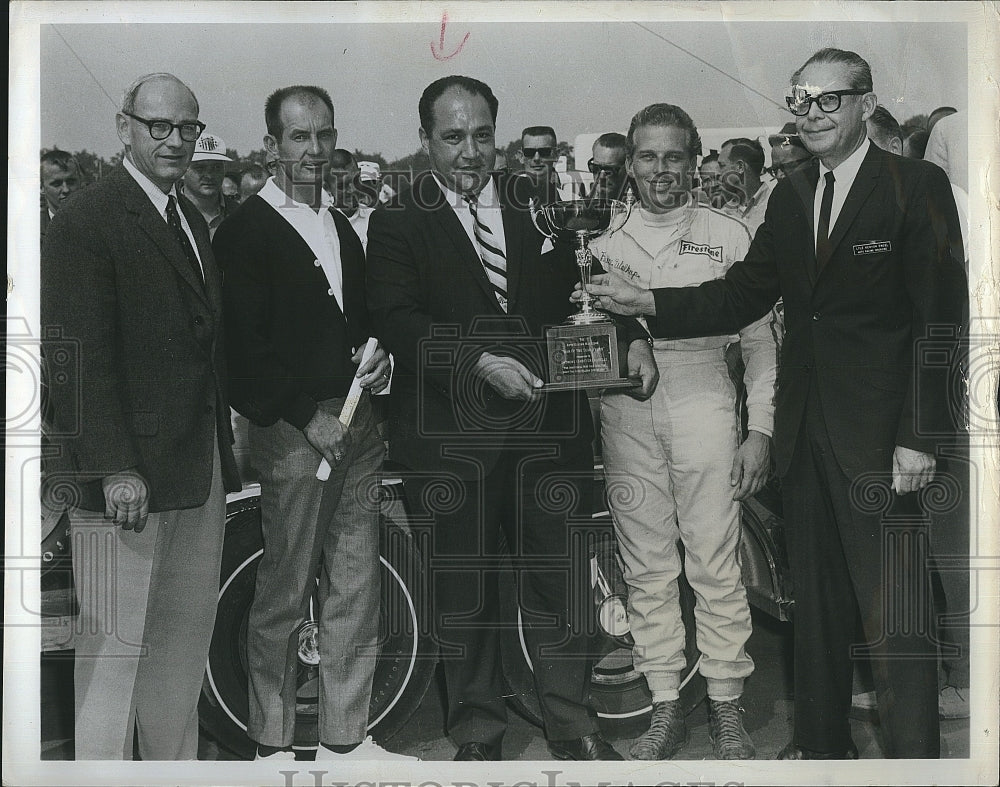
[(589, 747), (477, 751), (793, 752)]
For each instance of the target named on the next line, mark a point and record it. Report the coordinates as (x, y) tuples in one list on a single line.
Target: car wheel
[(618, 693), (406, 652)]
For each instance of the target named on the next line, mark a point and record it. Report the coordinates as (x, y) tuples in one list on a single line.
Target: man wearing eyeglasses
[(538, 155), (607, 165), (128, 276), (865, 249), (787, 151)]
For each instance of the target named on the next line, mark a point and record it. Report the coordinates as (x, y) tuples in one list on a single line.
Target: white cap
[(210, 147), (369, 170)]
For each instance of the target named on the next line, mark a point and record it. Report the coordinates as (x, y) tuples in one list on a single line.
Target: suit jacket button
[(816, 316), (330, 291), (316, 263), (198, 320)]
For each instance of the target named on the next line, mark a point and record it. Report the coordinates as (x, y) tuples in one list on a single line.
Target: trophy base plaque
[(586, 356)]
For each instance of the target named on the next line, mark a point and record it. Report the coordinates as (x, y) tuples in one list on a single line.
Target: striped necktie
[(494, 260)]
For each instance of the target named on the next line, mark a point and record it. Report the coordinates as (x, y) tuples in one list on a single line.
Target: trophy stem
[(584, 261)]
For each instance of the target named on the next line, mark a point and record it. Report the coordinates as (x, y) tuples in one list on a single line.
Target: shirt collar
[(756, 198), (486, 198), (155, 194), (272, 194), (847, 170)]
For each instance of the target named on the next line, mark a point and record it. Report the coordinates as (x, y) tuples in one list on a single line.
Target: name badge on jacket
[(872, 247)]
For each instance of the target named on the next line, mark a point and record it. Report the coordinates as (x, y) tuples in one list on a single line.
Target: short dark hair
[(886, 125), (539, 131), (254, 171), (341, 157), (272, 107), (664, 115), (612, 140), (859, 72), (751, 155), (60, 158), (711, 158), (437, 88), (918, 142), (740, 141)]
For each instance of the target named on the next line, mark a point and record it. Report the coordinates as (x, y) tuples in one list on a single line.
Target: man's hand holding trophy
[(585, 351)]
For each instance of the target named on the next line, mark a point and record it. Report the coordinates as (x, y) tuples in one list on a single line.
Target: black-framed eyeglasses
[(161, 129), (542, 152), (828, 102), (610, 169)]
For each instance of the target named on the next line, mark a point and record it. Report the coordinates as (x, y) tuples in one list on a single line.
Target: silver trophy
[(584, 352)]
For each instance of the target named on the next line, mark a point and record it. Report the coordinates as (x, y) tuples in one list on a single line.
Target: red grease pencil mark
[(438, 51)]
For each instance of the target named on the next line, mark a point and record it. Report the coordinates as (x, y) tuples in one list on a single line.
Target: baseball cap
[(369, 170), (789, 135), (210, 147)]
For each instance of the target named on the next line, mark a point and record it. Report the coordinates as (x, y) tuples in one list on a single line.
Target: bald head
[(159, 97)]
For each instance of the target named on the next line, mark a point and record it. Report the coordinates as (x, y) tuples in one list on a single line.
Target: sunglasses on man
[(540, 152), (604, 169)]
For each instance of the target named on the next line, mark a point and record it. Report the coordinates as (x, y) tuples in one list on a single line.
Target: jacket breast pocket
[(144, 422)]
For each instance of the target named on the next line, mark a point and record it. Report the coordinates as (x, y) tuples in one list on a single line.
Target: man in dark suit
[(460, 290), (128, 276), (865, 249), (60, 176), (297, 325)]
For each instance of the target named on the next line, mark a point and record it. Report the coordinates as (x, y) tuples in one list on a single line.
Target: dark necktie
[(823, 250), (493, 259), (174, 220)]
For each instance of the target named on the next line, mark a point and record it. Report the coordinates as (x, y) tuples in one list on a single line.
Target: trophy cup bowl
[(578, 222), (584, 352)]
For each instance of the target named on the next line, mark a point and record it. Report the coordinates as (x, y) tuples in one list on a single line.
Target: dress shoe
[(793, 752), (589, 747), (476, 751)]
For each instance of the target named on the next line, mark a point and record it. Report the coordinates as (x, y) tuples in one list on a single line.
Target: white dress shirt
[(844, 175), (160, 200), (487, 208), (317, 229)]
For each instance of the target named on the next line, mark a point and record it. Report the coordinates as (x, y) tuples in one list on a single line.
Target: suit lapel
[(804, 180), (452, 226), (862, 187), (137, 203), (203, 241), (515, 238)]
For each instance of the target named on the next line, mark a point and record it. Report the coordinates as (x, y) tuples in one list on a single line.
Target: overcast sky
[(576, 76)]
